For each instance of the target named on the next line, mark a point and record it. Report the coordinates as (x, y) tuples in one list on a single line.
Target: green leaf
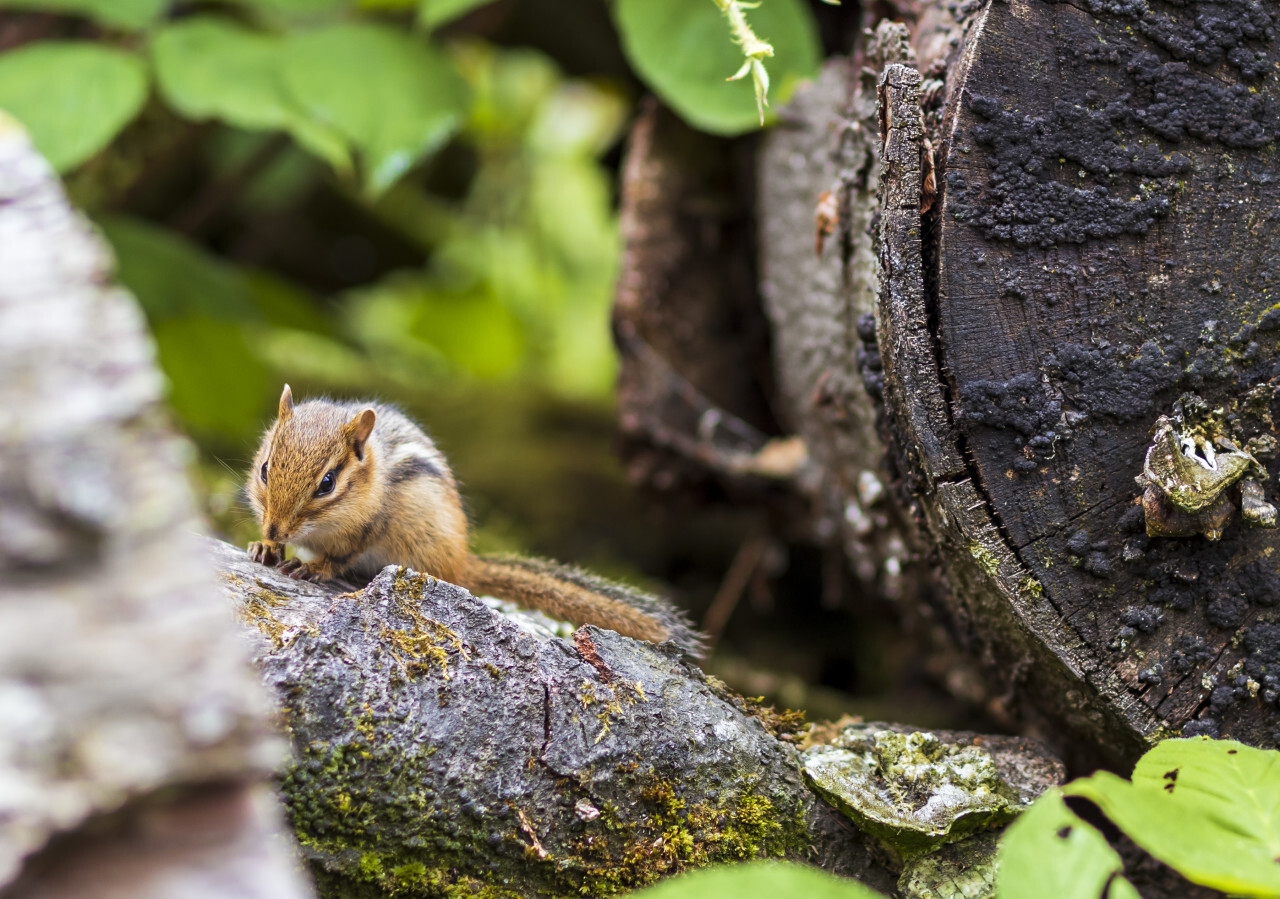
[(473, 330), (210, 67), (205, 321), (217, 382), (434, 13), (294, 9), (1209, 809), (1123, 889), (392, 95), (172, 278), (72, 97), (683, 51), (776, 880), (130, 14), (1049, 851)]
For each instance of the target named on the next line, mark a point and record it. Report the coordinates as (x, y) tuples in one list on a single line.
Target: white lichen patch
[(530, 621), (911, 790)]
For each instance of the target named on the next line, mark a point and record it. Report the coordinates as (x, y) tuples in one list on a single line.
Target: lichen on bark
[(443, 750)]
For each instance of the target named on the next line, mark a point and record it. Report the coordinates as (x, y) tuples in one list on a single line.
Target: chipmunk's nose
[(273, 532)]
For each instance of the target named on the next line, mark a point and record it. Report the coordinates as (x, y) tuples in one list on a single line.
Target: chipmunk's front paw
[(266, 552), (317, 571)]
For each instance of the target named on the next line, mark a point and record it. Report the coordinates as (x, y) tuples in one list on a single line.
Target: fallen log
[(441, 744)]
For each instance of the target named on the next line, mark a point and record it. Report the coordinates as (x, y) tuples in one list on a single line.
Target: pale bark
[(126, 702)]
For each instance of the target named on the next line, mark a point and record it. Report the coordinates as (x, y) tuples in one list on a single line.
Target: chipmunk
[(359, 486)]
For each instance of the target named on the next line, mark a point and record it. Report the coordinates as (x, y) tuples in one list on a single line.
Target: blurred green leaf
[(683, 51), (1209, 809), (434, 13), (296, 8), (475, 332), (130, 14), (173, 279), (579, 118), (572, 215), (472, 329), (508, 88), (391, 94), (303, 355), (534, 245), (1122, 889), (210, 67), (380, 319), (205, 322), (72, 97), (289, 176), (1049, 851), (776, 880), (218, 381), (285, 305)]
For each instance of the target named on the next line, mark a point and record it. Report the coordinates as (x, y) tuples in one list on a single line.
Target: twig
[(744, 564)]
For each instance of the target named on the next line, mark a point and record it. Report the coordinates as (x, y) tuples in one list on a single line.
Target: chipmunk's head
[(314, 466)]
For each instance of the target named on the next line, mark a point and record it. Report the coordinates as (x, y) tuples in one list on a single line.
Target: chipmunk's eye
[(264, 472), (326, 483)]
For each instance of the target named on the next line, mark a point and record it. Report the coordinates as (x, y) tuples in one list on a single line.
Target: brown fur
[(559, 598), (395, 501), (367, 522)]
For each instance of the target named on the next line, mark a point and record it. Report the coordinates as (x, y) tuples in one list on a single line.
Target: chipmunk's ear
[(286, 403), (358, 431)]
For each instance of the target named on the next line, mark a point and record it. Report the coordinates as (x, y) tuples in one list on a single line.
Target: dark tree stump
[(1101, 244)]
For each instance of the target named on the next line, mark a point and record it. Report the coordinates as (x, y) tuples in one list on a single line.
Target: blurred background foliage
[(402, 197), (413, 200)]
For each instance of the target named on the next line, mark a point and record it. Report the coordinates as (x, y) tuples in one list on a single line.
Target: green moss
[(426, 643), (611, 705), (787, 725), (371, 867), (985, 558), (374, 880), (256, 610), (670, 835)]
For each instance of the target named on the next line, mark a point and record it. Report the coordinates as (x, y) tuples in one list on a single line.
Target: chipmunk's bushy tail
[(578, 597)]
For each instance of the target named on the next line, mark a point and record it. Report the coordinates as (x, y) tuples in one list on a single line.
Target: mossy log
[(442, 748), (446, 748)]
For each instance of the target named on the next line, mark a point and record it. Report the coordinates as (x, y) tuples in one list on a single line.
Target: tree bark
[(134, 744), (442, 745), (1098, 249), (1072, 240)]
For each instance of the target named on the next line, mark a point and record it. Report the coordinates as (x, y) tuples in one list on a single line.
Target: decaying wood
[(1001, 608), (1098, 249), (693, 343), (818, 175), (1093, 244), (134, 747)]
